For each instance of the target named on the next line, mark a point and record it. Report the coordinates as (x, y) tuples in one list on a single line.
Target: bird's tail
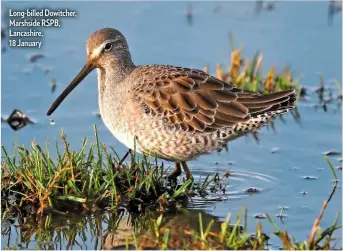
[(264, 108)]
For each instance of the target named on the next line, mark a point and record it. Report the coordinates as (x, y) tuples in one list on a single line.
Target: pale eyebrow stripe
[(96, 52)]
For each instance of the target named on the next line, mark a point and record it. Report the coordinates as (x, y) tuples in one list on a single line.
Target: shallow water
[(295, 34)]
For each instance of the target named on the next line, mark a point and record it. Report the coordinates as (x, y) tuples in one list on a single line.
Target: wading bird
[(170, 112)]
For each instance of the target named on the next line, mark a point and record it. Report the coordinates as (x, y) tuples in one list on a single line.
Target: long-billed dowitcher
[(170, 112)]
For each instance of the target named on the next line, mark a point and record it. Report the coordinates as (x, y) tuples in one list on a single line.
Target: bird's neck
[(112, 74), (116, 71), (111, 81)]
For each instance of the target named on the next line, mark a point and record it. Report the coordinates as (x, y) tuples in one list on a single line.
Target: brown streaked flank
[(170, 112)]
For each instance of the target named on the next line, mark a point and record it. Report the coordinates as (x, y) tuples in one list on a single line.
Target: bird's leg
[(189, 175), (132, 157), (115, 168), (176, 172), (125, 156)]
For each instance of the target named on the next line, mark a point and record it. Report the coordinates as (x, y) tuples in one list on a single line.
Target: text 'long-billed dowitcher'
[(170, 112)]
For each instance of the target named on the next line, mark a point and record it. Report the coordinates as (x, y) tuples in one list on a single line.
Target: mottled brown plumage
[(171, 112), (195, 101)]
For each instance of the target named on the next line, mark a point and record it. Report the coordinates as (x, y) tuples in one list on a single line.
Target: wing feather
[(195, 101)]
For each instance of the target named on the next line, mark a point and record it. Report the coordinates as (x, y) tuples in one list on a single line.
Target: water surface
[(295, 34)]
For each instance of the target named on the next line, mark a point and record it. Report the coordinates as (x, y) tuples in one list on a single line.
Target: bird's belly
[(148, 137), (127, 139), (120, 131)]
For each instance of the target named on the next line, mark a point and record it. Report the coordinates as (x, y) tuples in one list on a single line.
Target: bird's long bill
[(82, 74)]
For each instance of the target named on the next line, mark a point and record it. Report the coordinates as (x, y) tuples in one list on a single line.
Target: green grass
[(232, 235), (94, 186), (89, 178)]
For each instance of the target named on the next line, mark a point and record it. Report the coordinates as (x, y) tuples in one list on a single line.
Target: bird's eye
[(108, 46)]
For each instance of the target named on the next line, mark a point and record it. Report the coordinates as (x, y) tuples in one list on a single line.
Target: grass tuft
[(90, 179)]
